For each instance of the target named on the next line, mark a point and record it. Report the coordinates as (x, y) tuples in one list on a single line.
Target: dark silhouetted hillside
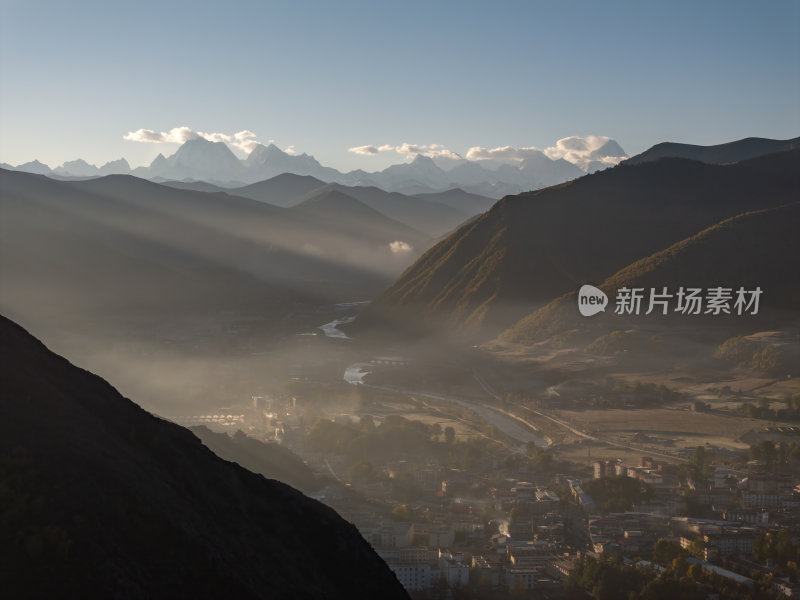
[(268, 459), (719, 154), (100, 499)]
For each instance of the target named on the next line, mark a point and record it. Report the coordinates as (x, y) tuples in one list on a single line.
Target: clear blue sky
[(75, 77)]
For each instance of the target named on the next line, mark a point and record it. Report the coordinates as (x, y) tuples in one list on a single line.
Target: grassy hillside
[(754, 249), (531, 248)]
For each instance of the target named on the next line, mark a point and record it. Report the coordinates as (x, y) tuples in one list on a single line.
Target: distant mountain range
[(202, 160), (435, 213), (532, 248), (101, 499)]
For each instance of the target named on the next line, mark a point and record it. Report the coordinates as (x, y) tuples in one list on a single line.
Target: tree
[(361, 472), (665, 551), (618, 493), (402, 513), (791, 567), (697, 548), (543, 460), (367, 422), (531, 449), (763, 547), (784, 548), (449, 435), (436, 431), (700, 461)]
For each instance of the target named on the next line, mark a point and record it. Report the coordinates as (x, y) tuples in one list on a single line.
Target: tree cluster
[(751, 354), (609, 579), (618, 493), (395, 436)]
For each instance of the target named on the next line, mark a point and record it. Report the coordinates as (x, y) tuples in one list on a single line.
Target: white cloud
[(244, 140), (368, 150), (502, 154), (582, 150), (176, 135), (407, 150), (290, 150), (400, 247)]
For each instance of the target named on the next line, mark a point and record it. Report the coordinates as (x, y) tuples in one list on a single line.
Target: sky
[(325, 77)]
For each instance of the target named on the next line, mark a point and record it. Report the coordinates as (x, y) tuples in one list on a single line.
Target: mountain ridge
[(214, 162), (766, 251), (134, 506), (534, 247), (744, 149)]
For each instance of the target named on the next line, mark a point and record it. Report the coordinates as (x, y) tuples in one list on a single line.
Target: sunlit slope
[(531, 248), (753, 250)]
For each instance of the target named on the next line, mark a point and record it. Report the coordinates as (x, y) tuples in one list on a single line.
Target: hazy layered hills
[(122, 245), (214, 162), (532, 248), (348, 216), (759, 249), (719, 154), (434, 214), (101, 499)]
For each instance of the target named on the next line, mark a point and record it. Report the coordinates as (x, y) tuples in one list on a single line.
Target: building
[(529, 554), (752, 516), (434, 535), (415, 567), (740, 543), (488, 569), (560, 567), (520, 578), (722, 543), (415, 576), (387, 535), (453, 569)]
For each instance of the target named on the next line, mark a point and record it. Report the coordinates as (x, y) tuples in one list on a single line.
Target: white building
[(453, 569), (414, 576)]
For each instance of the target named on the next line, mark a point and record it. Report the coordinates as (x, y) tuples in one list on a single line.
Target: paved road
[(565, 425), (514, 427)]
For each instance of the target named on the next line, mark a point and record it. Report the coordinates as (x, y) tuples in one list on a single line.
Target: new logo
[(591, 300)]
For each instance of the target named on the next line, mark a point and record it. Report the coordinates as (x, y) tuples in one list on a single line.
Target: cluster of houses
[(449, 542)]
